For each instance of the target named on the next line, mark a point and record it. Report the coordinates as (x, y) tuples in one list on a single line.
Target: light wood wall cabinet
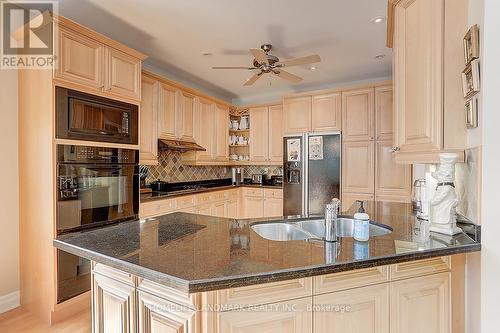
[(297, 114), (266, 134), (221, 133), (358, 115), (316, 113), (358, 167), (148, 115), (427, 39), (96, 63), (369, 167), (185, 124), (167, 112)]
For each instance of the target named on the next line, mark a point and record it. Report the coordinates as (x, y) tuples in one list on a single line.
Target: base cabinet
[(421, 304), (360, 310), (113, 305), (157, 315), (411, 297), (286, 317)]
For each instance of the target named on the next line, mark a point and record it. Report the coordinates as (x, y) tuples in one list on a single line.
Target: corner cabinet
[(428, 58)]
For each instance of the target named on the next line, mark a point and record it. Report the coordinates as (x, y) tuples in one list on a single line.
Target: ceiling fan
[(268, 63)]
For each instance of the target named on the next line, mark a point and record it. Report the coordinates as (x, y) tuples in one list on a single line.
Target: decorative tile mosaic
[(468, 185), (171, 169)]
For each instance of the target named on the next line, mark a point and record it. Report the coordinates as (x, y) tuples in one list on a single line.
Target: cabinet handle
[(395, 149)]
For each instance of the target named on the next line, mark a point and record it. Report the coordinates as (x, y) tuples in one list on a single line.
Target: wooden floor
[(19, 320)]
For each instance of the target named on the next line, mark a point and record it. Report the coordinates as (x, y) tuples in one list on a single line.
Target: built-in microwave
[(82, 116)]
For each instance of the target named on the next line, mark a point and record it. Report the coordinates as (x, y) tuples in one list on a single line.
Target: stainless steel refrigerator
[(311, 172)]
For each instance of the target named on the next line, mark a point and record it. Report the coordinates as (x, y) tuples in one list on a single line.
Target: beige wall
[(9, 195)]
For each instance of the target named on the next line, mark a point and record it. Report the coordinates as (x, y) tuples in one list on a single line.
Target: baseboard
[(9, 301)]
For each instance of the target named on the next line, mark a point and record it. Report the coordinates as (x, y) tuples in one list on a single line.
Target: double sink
[(312, 229)]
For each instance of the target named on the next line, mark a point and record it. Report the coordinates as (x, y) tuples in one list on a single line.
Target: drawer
[(273, 193), (220, 195), (203, 198), (158, 207), (253, 192), (185, 201), (350, 279), (420, 267), (114, 274), (266, 293), (165, 292)]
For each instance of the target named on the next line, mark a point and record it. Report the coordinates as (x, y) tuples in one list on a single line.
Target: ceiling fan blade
[(300, 61), (287, 76), (260, 56), (252, 79), (232, 67)]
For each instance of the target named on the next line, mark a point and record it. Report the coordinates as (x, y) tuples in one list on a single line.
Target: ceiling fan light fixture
[(313, 68)]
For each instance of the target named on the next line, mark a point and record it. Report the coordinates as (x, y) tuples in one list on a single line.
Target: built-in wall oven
[(88, 117), (95, 186)]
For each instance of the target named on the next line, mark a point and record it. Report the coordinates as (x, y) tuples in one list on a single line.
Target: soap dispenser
[(361, 224)]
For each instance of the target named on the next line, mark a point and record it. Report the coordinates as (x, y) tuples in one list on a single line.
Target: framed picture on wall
[(471, 79), (471, 112), (471, 44)]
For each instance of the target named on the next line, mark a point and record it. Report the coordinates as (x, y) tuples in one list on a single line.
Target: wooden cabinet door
[(206, 129), (221, 133), (123, 74), (287, 317), (358, 167), (275, 126), (157, 315), (113, 305), (326, 112), (391, 179), (357, 115), (421, 304), (185, 123), (273, 207), (367, 311), (80, 59), (297, 115), (148, 115), (418, 74), (253, 207), (258, 134), (219, 209), (167, 111), (383, 113), (232, 209)]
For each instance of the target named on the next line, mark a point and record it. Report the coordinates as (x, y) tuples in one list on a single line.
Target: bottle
[(361, 224)]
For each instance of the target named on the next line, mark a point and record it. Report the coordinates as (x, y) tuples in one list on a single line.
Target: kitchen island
[(192, 273)]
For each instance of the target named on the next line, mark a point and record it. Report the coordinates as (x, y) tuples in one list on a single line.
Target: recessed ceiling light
[(206, 53), (378, 19), (380, 56), (313, 68)]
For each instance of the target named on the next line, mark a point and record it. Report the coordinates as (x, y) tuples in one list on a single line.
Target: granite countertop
[(145, 197), (196, 253)]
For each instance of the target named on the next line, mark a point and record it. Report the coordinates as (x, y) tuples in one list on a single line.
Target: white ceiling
[(175, 33)]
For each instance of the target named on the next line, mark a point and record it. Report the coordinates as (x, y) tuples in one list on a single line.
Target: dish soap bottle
[(361, 224)]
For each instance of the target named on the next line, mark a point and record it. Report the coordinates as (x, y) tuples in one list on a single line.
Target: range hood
[(180, 146)]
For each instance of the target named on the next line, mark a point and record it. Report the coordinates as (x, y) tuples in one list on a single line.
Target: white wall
[(9, 194), (490, 252)]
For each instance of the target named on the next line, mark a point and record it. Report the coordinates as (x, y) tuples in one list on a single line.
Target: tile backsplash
[(171, 169)]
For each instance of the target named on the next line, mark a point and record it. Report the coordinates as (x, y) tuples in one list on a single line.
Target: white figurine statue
[(444, 202)]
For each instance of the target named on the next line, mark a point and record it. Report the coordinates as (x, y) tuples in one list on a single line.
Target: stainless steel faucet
[(331, 213)]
